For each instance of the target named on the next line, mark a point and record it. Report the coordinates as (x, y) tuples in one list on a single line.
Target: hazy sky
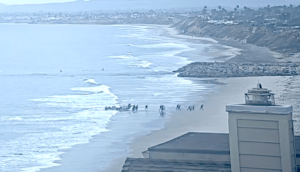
[(31, 1)]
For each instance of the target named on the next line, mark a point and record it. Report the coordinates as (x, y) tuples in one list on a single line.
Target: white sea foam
[(15, 119), (98, 89), (123, 57), (80, 101), (72, 118), (91, 81), (63, 130), (163, 45), (231, 52), (174, 52), (139, 36), (157, 94), (129, 36), (134, 61), (141, 63)]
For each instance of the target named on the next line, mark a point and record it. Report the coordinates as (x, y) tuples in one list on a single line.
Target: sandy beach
[(212, 119), (226, 50)]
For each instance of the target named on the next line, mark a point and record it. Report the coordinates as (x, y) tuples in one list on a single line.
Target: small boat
[(124, 108)]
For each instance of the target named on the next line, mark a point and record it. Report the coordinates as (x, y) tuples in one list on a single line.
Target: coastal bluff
[(226, 69)]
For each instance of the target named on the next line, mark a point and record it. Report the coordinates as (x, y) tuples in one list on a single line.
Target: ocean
[(56, 81)]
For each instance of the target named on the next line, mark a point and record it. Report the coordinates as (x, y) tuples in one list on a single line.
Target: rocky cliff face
[(221, 69), (283, 41)]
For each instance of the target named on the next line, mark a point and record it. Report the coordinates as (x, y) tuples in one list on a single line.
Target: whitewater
[(55, 87)]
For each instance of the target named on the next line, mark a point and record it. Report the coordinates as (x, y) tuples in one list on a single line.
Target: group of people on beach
[(190, 108), (136, 107)]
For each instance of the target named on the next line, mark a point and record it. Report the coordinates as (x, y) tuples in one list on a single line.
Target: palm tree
[(213, 12), (224, 11), (204, 10)]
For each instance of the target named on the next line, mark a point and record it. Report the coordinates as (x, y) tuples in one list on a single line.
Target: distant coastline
[(276, 28), (213, 118)]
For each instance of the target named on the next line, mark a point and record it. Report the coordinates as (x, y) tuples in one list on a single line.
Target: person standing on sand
[(161, 107), (146, 107), (178, 107), (201, 108)]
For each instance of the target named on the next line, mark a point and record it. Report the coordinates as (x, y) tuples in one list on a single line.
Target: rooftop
[(217, 143), (148, 165), (213, 143)]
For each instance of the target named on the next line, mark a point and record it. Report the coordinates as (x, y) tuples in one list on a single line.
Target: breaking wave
[(91, 81), (86, 117)]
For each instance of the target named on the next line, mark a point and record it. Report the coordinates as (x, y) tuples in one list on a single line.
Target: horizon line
[(43, 3)]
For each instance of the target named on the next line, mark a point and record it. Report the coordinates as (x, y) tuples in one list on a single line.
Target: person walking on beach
[(178, 107), (146, 107), (136, 107), (201, 108), (161, 107), (133, 108)]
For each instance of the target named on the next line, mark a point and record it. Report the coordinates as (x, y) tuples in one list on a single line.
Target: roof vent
[(260, 96)]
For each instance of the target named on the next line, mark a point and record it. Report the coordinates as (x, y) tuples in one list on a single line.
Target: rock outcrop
[(223, 69)]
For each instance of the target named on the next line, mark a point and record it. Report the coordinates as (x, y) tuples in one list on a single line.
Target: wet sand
[(212, 119), (291, 96), (227, 50)]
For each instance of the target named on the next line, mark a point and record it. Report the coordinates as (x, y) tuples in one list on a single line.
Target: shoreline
[(182, 122), (219, 49), (230, 50), (179, 122), (212, 119), (85, 155)]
